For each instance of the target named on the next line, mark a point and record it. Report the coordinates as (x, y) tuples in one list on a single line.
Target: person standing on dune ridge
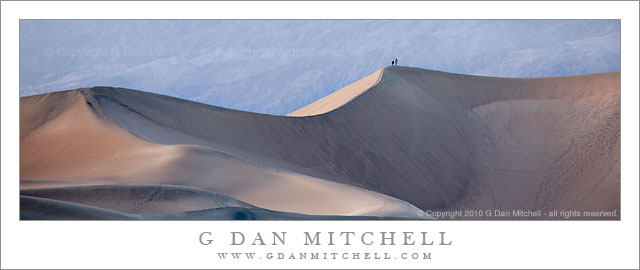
[(396, 61)]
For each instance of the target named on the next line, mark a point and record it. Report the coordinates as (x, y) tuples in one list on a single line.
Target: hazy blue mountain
[(278, 66)]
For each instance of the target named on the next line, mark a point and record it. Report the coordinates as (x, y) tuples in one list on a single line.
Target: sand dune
[(81, 146), (397, 138)]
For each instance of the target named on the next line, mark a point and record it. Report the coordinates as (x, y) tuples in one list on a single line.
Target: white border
[(494, 244)]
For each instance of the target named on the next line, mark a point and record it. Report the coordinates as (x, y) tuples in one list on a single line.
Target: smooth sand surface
[(340, 97), (436, 140)]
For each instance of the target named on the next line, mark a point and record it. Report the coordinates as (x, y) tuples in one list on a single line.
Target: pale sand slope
[(76, 145), (436, 140), (339, 97)]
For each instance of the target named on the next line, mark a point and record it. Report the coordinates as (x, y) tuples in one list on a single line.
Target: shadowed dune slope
[(436, 140), (34, 208), (144, 200)]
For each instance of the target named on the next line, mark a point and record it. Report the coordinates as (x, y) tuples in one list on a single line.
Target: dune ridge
[(411, 139), (340, 97)]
